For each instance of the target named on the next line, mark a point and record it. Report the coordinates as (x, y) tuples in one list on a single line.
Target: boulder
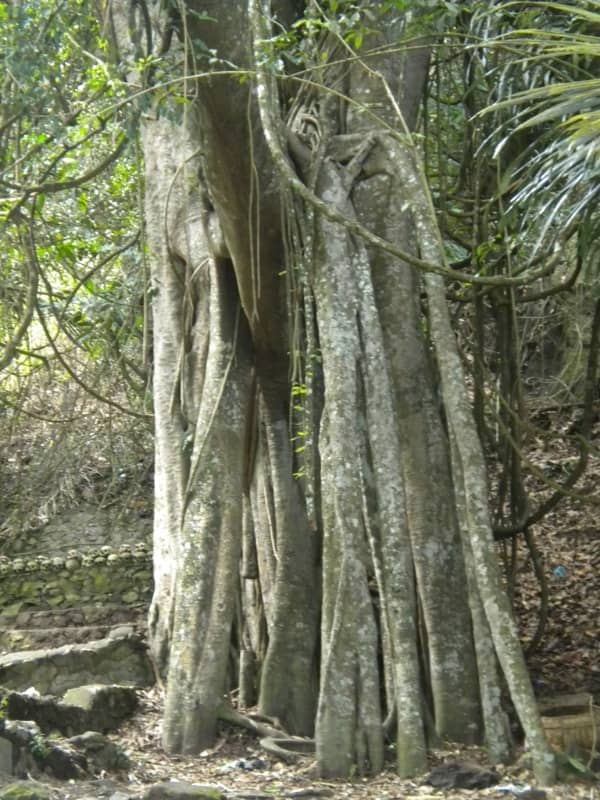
[(25, 790), (181, 790), (20, 734), (63, 761), (101, 754), (31, 752), (104, 707), (118, 660), (461, 775), (84, 708), (6, 757)]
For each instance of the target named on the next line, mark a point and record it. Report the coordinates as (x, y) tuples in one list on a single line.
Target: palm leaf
[(549, 87)]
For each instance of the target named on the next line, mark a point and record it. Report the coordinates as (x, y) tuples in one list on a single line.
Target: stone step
[(42, 638), (108, 614), (121, 658)]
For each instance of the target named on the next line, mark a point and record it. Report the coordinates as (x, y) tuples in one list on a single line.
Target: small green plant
[(572, 766), (3, 709), (38, 746)]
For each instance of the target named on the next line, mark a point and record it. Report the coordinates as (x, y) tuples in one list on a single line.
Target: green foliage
[(548, 84), (68, 191), (4, 701), (572, 767), (72, 278), (38, 746), (511, 144)]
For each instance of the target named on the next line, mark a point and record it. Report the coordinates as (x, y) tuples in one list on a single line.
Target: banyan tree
[(322, 538)]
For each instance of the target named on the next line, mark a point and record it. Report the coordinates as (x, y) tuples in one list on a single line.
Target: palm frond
[(549, 88)]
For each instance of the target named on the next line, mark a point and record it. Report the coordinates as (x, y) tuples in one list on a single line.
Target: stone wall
[(119, 577), (80, 529), (76, 579)]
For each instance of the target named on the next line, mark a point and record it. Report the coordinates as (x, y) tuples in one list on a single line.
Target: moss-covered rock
[(180, 790), (60, 583), (25, 790)]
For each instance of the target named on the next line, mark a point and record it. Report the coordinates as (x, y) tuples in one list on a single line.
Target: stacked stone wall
[(73, 581), (120, 577)]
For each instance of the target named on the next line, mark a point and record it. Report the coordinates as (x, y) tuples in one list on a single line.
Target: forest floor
[(566, 660), (222, 768)]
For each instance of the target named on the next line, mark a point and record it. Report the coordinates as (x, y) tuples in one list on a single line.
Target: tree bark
[(210, 547), (471, 487), (161, 164), (274, 320)]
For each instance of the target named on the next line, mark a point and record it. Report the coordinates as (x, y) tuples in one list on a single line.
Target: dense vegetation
[(74, 287)]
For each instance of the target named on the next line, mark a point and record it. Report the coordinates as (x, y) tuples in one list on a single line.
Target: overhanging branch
[(285, 169)]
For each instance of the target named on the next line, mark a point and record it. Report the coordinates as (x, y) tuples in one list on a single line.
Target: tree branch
[(10, 348), (282, 163)]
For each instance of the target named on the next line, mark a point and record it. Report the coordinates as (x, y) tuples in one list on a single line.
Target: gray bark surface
[(304, 467)]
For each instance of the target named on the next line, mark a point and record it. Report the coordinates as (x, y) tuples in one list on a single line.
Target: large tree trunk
[(239, 175), (288, 685), (303, 453), (161, 164)]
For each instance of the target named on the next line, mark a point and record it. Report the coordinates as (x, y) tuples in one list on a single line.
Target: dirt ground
[(220, 768)]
